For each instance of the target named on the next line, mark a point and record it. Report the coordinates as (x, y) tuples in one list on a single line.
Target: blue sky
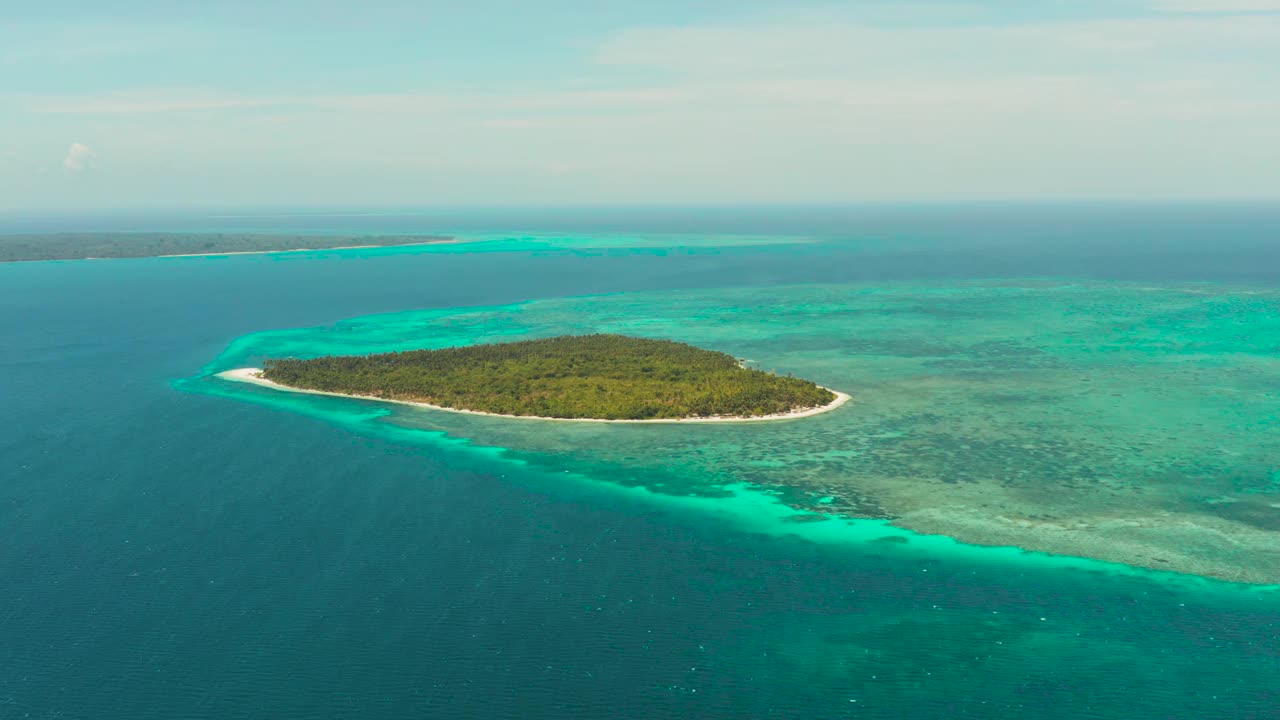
[(148, 104)]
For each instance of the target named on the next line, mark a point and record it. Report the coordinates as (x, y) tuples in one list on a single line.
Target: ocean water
[(172, 545), (1134, 422)]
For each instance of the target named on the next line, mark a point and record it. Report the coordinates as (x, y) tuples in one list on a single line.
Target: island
[(601, 377), (104, 245)]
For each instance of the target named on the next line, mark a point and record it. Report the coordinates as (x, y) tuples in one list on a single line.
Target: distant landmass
[(582, 377), (84, 246)]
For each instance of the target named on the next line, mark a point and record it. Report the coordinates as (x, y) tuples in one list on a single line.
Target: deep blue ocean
[(166, 554)]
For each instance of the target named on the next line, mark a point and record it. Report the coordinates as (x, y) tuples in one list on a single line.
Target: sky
[(161, 103)]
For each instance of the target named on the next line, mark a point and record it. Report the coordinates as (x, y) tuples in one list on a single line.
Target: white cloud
[(67, 42), (156, 100), (79, 158), (838, 48), (1216, 6), (794, 109)]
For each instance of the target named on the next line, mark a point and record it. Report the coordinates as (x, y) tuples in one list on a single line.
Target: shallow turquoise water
[(222, 551), (1133, 422)]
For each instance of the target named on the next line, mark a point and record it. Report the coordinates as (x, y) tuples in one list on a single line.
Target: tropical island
[(102, 245), (600, 377)]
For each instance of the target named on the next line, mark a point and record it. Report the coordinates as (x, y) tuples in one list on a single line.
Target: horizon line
[(375, 209)]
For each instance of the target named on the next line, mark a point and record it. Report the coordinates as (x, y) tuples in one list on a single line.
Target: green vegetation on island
[(607, 377), (83, 246)]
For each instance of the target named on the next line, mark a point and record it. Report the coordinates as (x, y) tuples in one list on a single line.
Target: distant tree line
[(80, 246), (612, 377)]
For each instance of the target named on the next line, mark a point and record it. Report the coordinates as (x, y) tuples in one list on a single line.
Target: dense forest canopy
[(80, 246), (611, 377)]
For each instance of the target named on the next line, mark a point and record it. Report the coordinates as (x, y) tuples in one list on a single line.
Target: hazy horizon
[(562, 103), (339, 209)]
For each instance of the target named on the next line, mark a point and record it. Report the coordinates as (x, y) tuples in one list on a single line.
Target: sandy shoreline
[(448, 241), (253, 376)]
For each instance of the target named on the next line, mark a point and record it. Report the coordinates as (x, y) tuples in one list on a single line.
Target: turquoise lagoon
[(1125, 421)]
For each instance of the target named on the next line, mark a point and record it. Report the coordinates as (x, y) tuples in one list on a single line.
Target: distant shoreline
[(62, 247), (445, 241), (253, 376)]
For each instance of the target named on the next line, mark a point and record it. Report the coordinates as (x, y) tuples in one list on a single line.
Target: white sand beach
[(254, 375), (443, 241)]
